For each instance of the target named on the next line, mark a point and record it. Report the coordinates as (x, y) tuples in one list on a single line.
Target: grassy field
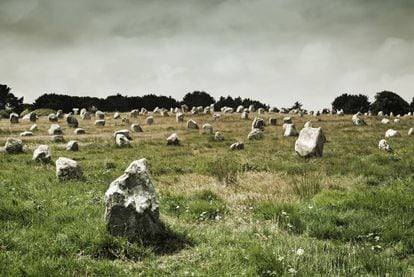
[(261, 211)]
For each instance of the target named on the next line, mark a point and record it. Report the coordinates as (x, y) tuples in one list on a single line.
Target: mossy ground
[(232, 213)]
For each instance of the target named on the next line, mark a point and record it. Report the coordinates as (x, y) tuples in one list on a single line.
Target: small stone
[(136, 128), (207, 129), (122, 141), (42, 154), (26, 134), (13, 146), (310, 142), (218, 136), (173, 139), (67, 169), (79, 131), (55, 130), (72, 145), (272, 121), (100, 122), (255, 134), (383, 145), (191, 124), (57, 138), (392, 133), (149, 120), (237, 146)]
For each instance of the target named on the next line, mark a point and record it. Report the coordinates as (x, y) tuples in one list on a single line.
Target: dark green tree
[(198, 98), (388, 101), (296, 106), (351, 103), (9, 101)]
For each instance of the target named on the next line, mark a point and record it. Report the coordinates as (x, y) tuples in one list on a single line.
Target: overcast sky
[(276, 51)]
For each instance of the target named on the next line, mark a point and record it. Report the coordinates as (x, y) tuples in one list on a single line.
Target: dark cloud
[(278, 51)]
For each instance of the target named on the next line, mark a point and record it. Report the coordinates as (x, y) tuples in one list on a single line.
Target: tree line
[(385, 101)]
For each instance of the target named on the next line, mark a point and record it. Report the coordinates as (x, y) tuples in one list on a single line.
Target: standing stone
[(32, 117), (173, 139), (149, 120), (184, 108), (289, 130), (57, 138), (252, 109), (75, 111), (385, 121), (272, 121), (117, 115), (258, 123), (255, 134), (383, 145), (124, 132), (79, 131), (191, 124), (124, 120), (228, 110), (33, 127), (164, 113), (99, 115), (310, 142), (396, 120), (67, 169), (357, 119), (207, 129), (100, 122), (26, 134), (390, 133), (136, 128), (132, 209), (55, 130), (237, 146), (134, 113), (287, 120), (217, 116), (260, 111), (52, 117), (86, 116), (244, 115), (239, 109), (14, 118), (179, 117), (42, 154), (122, 141), (218, 136), (308, 124), (411, 132), (380, 113), (144, 111), (72, 121), (59, 114), (72, 145), (13, 146)]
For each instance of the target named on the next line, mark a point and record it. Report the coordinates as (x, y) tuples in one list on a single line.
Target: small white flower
[(284, 213), (177, 207), (376, 238), (310, 207), (281, 258), (300, 252)]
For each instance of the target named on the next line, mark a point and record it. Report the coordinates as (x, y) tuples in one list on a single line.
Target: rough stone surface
[(14, 118), (72, 121), (136, 128), (383, 145), (13, 146), (289, 130), (310, 142), (255, 134), (42, 154), (79, 131), (357, 119), (244, 115), (52, 117), (122, 141), (237, 146), (173, 139), (100, 122), (134, 113), (258, 123), (124, 132), (72, 145), (55, 130), (132, 209), (99, 115), (385, 121), (149, 120), (67, 169), (191, 124), (207, 129), (390, 133), (411, 132), (218, 136)]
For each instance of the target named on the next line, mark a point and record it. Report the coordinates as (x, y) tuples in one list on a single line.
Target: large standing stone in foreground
[(310, 142), (258, 123), (383, 145), (72, 121), (132, 209), (55, 130), (13, 146), (67, 169), (390, 133), (173, 139), (42, 154), (191, 124)]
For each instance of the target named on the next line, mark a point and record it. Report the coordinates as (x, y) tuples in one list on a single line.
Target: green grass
[(229, 213)]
